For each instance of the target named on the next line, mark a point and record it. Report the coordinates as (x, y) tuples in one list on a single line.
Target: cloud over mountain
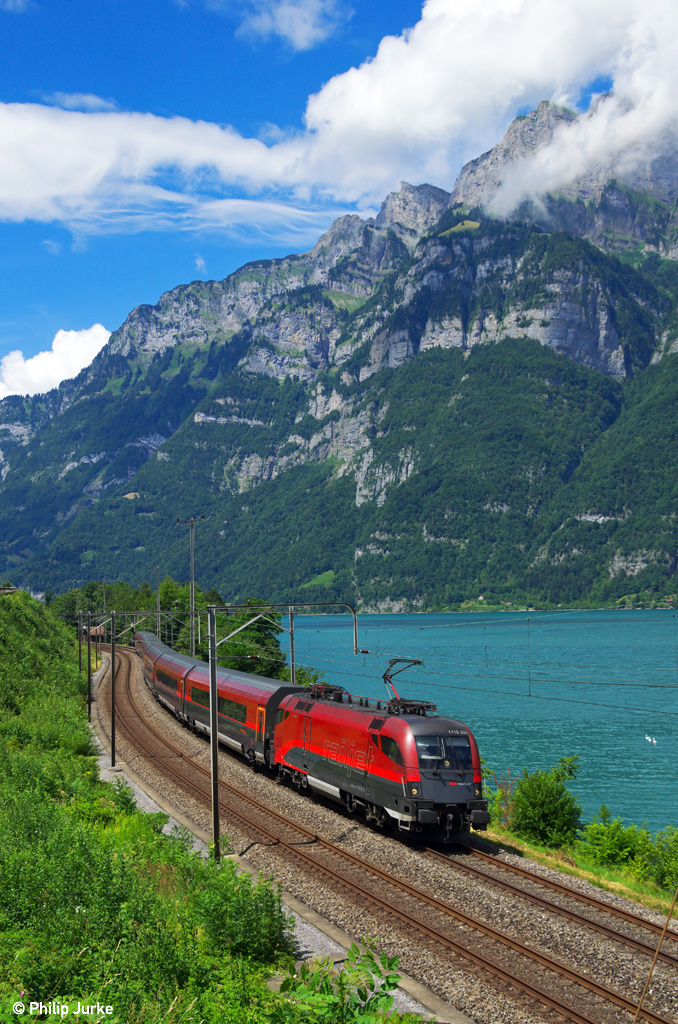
[(426, 102)]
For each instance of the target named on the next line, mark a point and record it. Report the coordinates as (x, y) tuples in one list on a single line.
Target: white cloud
[(200, 265), (287, 223), (79, 101), (15, 6), (71, 351), (445, 91), (621, 132), (301, 23), (431, 98)]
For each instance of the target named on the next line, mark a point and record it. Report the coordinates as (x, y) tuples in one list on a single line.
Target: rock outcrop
[(479, 179), (607, 205)]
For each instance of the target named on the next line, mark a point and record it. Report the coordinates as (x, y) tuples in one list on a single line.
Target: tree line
[(256, 649)]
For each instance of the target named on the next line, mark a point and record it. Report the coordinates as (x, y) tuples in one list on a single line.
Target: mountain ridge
[(281, 388)]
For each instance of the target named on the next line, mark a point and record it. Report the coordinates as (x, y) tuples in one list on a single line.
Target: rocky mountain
[(627, 207), (480, 179), (428, 405)]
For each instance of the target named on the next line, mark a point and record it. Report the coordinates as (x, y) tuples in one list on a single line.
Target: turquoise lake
[(533, 687)]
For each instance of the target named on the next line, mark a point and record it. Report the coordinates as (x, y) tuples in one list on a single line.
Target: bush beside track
[(95, 904), (538, 813)]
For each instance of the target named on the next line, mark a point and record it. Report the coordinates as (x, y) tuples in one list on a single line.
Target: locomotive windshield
[(436, 752)]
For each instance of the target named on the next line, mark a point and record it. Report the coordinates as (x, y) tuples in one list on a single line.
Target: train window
[(166, 679), (375, 739), (200, 696), (390, 748), (436, 752), (231, 709)]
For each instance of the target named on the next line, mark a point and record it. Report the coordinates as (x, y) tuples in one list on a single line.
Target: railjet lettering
[(347, 755)]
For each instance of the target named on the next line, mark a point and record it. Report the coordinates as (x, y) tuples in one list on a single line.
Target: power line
[(464, 669), (343, 666)]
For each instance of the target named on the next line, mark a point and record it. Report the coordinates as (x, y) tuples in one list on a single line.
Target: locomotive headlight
[(478, 789), (414, 790)]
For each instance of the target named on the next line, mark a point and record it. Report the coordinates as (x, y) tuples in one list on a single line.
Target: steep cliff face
[(412, 211), (479, 179), (480, 286), (622, 220), (348, 258), (620, 206)]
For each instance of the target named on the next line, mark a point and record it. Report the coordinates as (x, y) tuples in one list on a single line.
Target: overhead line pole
[(292, 659), (112, 689), (190, 522), (214, 728), (214, 720), (89, 666), (192, 606)]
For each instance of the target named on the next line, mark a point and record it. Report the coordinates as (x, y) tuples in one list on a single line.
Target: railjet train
[(396, 761)]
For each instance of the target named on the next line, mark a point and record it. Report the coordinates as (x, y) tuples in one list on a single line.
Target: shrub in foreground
[(543, 810), (610, 843), (320, 994)]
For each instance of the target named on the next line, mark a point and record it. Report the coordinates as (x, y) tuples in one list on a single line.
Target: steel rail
[(571, 915), (137, 740), (549, 883)]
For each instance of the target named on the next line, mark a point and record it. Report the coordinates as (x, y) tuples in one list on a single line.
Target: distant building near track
[(96, 632)]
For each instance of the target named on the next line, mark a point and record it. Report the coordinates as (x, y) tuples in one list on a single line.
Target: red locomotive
[(394, 761)]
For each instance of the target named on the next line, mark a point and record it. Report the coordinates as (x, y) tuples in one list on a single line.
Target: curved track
[(643, 945), (539, 978)]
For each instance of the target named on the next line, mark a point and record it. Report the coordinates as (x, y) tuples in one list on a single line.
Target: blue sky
[(168, 59), (147, 144)]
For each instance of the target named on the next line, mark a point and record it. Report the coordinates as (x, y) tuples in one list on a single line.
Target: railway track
[(670, 944), (537, 977)]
